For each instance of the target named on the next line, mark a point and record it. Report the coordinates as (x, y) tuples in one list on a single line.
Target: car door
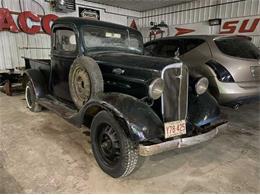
[(64, 52)]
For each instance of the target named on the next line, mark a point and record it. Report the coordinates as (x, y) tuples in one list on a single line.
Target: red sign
[(36, 22), (200, 28), (241, 26), (133, 24), (182, 31)]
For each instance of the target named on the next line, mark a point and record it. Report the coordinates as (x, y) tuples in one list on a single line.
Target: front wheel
[(116, 154), (30, 98)]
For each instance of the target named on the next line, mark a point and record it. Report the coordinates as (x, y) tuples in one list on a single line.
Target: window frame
[(101, 27), (63, 52)]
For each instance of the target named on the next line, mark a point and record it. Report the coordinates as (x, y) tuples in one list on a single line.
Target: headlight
[(202, 85), (156, 88)]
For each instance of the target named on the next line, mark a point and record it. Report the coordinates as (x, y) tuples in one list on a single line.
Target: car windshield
[(238, 47), (107, 39)]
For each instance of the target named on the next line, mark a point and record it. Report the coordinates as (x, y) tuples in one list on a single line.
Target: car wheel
[(30, 98), (115, 153), (85, 80)]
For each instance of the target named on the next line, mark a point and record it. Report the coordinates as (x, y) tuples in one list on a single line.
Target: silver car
[(231, 63)]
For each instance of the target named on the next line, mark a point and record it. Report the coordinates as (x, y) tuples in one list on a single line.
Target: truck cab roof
[(78, 22)]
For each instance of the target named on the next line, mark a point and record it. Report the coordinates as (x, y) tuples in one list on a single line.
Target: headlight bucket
[(156, 88), (202, 85)]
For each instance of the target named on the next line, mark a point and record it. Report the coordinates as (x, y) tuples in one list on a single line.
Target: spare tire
[(85, 80)]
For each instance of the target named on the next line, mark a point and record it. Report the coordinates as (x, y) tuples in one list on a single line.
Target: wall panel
[(201, 11)]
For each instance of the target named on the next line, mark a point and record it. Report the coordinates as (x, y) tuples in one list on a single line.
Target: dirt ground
[(41, 153)]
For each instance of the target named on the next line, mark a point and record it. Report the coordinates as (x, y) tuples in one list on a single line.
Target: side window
[(168, 49), (192, 43), (65, 40), (150, 49)]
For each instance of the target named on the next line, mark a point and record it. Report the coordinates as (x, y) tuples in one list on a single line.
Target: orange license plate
[(174, 128)]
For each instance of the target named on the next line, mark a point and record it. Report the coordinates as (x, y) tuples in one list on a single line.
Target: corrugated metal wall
[(14, 46), (202, 10)]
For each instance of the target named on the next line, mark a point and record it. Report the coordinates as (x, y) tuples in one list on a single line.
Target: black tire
[(118, 160), (85, 80), (31, 98)]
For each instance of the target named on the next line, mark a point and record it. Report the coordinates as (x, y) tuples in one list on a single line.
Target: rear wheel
[(30, 98), (116, 154)]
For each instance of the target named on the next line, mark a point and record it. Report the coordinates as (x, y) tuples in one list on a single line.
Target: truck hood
[(132, 60)]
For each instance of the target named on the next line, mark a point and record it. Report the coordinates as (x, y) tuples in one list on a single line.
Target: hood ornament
[(177, 54)]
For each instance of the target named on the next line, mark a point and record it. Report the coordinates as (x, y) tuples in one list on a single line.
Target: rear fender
[(137, 119), (38, 81)]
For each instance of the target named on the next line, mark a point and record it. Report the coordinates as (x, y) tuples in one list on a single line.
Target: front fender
[(38, 82), (139, 121), (203, 109)]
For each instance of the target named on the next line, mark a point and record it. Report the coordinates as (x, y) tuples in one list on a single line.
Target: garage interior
[(42, 153)]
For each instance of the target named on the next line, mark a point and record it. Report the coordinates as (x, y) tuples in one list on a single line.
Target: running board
[(59, 108)]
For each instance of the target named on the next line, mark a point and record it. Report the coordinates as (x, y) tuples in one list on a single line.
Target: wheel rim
[(108, 144), (28, 97), (81, 84)]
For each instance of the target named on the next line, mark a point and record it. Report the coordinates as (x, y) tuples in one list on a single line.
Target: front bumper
[(178, 143)]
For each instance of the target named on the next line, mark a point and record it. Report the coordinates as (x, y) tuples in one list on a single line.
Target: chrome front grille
[(175, 95)]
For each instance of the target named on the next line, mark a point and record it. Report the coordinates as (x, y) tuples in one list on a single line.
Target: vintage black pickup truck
[(133, 104)]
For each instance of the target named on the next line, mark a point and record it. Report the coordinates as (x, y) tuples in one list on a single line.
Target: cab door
[(64, 52)]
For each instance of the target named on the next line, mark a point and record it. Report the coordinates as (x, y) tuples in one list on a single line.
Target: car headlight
[(202, 85), (156, 88)]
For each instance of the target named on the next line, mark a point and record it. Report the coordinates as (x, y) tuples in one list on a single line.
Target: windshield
[(104, 39), (238, 47)]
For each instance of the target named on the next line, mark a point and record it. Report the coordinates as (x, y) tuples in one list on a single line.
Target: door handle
[(118, 71)]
